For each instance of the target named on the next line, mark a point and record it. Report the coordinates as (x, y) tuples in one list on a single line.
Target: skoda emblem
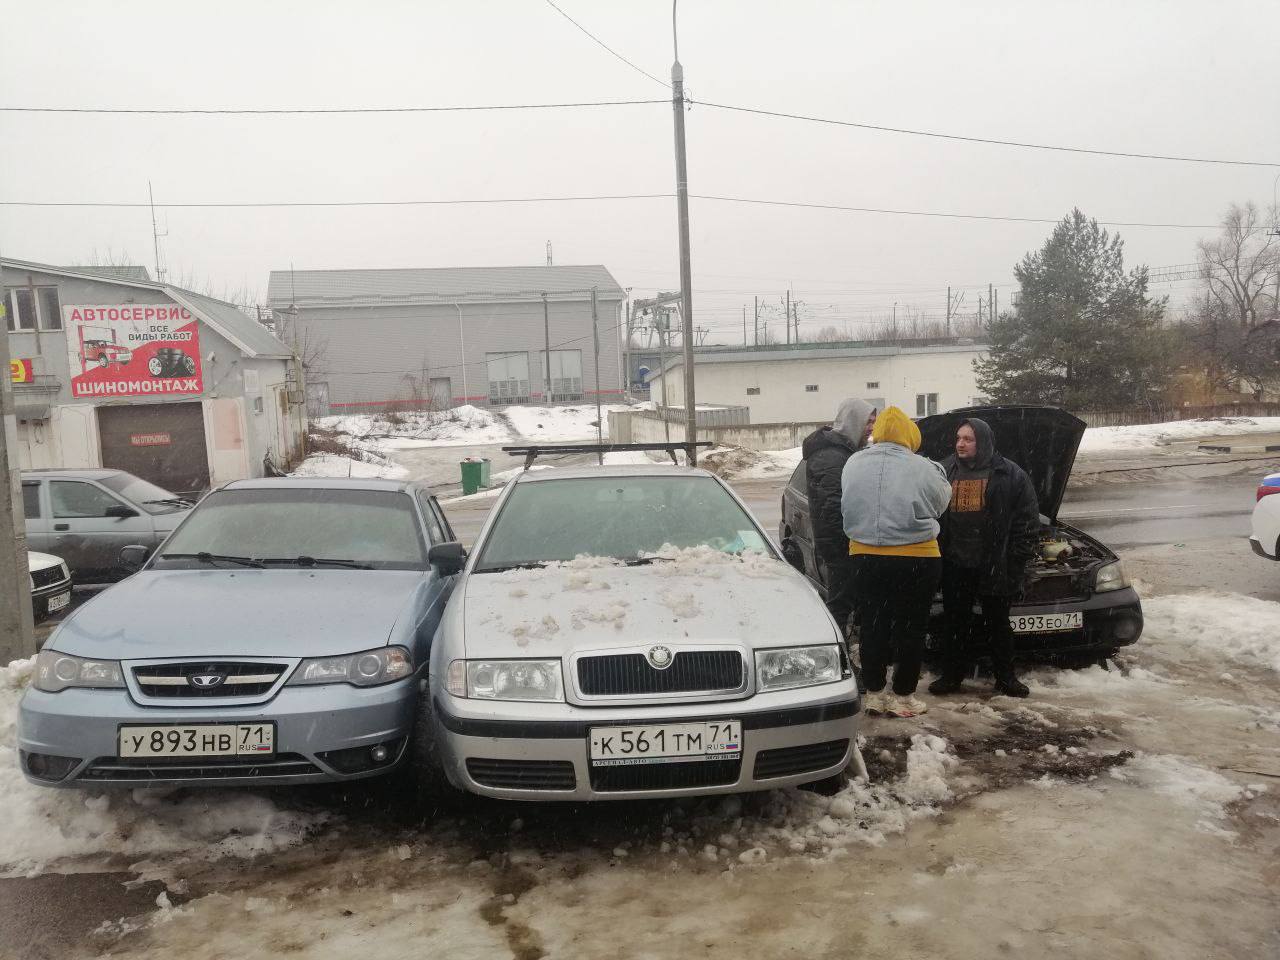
[(205, 680), (659, 657)]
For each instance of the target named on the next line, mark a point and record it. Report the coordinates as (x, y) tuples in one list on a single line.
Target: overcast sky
[(1166, 77)]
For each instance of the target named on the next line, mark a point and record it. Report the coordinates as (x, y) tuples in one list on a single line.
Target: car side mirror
[(120, 511), (448, 558), (133, 557)]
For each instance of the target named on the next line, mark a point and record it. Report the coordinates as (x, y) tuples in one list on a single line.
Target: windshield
[(372, 528), (621, 517), (145, 494)]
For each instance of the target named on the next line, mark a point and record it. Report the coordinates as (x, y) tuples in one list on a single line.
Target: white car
[(1266, 519), (628, 632), (50, 585)]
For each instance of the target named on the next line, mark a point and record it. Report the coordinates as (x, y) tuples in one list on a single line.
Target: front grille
[(240, 679), (111, 769), (789, 761), (1049, 589), (47, 577), (691, 671), (667, 776), (523, 774)]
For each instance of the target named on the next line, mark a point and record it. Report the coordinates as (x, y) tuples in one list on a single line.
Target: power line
[(280, 111), (607, 47), (987, 140)]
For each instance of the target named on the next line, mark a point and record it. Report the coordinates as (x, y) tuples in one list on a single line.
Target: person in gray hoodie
[(891, 502), (826, 451)]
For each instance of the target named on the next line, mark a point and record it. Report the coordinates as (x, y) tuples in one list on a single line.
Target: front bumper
[(787, 740), (312, 726), (42, 596), (1260, 550)]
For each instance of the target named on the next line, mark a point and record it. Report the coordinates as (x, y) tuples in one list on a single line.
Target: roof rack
[(531, 452)]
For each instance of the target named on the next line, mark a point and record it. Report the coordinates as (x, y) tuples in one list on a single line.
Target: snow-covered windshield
[(623, 518)]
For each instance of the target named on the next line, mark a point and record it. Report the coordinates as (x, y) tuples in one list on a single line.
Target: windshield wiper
[(500, 567), (306, 561), (205, 557), (175, 501)]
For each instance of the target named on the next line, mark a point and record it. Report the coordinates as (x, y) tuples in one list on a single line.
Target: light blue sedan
[(280, 635)]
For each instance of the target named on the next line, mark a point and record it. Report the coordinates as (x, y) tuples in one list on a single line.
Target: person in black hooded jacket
[(825, 452), (988, 536)]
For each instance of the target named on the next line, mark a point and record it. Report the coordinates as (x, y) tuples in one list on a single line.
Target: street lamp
[(686, 272)]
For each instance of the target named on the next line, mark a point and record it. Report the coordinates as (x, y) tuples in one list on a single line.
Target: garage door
[(160, 442)]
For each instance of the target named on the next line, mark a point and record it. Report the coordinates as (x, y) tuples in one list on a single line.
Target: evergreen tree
[(1084, 335)]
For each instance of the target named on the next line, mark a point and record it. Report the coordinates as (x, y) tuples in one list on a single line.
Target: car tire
[(103, 362), (187, 365), (434, 791), (155, 367)]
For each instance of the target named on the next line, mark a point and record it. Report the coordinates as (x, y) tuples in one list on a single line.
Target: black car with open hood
[(1076, 597)]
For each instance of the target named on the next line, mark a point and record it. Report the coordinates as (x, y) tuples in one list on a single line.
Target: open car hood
[(1041, 440)]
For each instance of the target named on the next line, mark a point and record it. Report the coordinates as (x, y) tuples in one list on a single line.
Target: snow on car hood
[(197, 613), (41, 561), (698, 595)]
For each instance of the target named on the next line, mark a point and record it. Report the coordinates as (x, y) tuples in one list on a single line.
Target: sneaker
[(1012, 687), (907, 706), (945, 685), (876, 702)]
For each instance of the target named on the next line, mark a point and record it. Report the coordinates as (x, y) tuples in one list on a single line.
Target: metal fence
[(1141, 415)]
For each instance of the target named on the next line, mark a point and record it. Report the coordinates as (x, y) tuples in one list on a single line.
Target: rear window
[(621, 517), (371, 527)]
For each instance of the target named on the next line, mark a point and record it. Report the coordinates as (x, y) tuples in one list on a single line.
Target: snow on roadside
[(1211, 626), (1149, 436), (42, 826), (561, 424), (333, 465), (1203, 791), (454, 427), (740, 463)]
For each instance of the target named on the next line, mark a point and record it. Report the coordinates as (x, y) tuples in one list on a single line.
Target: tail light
[(1269, 486)]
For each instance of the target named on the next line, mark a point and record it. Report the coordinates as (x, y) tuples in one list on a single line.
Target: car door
[(797, 528), (37, 514), (86, 536), (438, 531)]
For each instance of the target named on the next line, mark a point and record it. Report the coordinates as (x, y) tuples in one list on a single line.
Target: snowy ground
[(1154, 436), (1130, 813)]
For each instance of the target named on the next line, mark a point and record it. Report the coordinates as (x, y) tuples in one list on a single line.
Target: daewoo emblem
[(205, 680), (659, 657)]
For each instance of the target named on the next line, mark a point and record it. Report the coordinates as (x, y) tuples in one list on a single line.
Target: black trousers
[(960, 591), (893, 596), (837, 577)]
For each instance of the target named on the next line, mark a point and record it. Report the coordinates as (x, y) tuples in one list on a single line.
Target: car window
[(433, 522), (370, 527), (73, 499), (145, 494), (799, 479), (31, 500), (444, 521), (620, 517)]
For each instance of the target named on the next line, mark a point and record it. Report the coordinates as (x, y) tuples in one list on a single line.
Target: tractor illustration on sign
[(171, 362), (98, 346)]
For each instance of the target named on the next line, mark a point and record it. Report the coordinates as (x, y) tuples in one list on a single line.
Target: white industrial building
[(790, 384)]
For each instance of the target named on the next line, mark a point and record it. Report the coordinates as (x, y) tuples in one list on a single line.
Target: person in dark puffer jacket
[(825, 452)]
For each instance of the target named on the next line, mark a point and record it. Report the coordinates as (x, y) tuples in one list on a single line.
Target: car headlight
[(1110, 577), (367, 669), (786, 667), (507, 680), (57, 671)]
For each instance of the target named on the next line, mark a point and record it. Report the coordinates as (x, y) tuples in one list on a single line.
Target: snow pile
[(1204, 792), (740, 463), (1214, 627), (43, 825), (561, 424), (862, 813), (456, 427), (334, 465), (1099, 440)]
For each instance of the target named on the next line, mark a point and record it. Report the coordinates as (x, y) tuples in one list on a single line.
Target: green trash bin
[(472, 475)]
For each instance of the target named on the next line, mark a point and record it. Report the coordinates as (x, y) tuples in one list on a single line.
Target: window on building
[(566, 375), (873, 384), (753, 391), (508, 377), (33, 308), (810, 388), (926, 404)]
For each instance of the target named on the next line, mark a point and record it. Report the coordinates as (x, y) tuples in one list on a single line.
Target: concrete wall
[(372, 356), (627, 427), (885, 376)]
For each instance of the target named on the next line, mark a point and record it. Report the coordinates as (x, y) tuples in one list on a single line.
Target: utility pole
[(548, 253), (757, 316), (155, 234), (546, 333), (744, 324), (991, 312), (948, 311), (686, 270), (995, 304), (17, 636), (595, 335), (787, 320)]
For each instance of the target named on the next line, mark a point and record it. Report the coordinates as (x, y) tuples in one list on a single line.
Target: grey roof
[(478, 284), (127, 272), (242, 330), (810, 351), (591, 472), (317, 483)]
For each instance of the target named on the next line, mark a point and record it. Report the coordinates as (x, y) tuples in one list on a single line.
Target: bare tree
[(1240, 266)]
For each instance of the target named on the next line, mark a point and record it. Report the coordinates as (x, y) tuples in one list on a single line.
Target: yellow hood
[(894, 426)]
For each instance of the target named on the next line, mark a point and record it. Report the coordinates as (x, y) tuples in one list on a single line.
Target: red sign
[(150, 439), (133, 350), (20, 371)]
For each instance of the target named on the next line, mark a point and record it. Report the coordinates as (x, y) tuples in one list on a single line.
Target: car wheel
[(155, 367), (188, 365), (433, 788), (103, 361)]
